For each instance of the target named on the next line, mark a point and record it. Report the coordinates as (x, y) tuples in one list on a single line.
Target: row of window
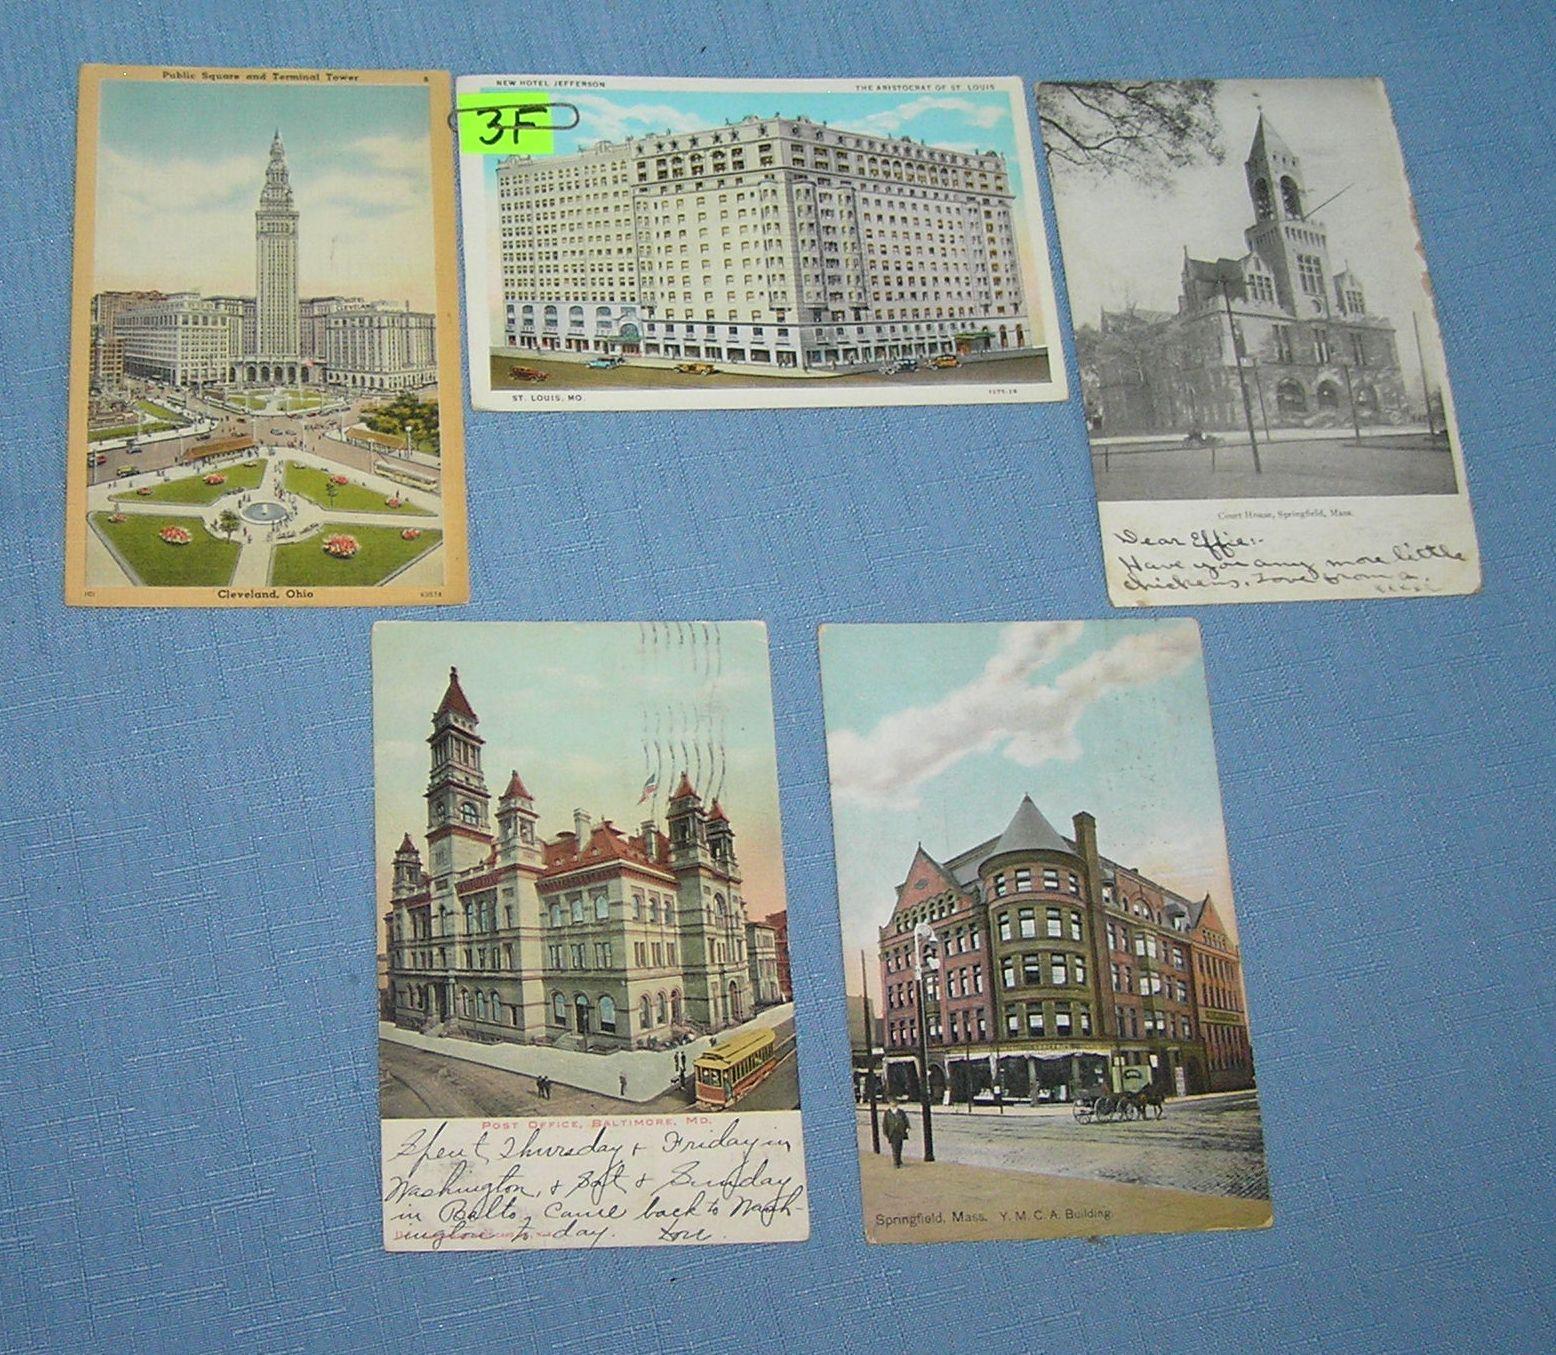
[(1020, 881), (1024, 926)]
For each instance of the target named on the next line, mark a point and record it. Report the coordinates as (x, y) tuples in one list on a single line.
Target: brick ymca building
[(1060, 968)]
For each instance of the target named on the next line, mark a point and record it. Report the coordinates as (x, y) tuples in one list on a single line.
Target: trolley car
[(727, 1071)]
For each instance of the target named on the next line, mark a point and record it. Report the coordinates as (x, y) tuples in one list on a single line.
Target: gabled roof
[(454, 699), (406, 845), (1029, 831), (516, 789), (604, 844), (717, 814), (685, 789)]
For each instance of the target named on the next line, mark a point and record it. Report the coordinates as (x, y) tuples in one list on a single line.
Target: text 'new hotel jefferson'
[(780, 243)]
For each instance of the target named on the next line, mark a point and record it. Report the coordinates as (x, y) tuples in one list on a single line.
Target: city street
[(565, 376), (1310, 468), (1203, 1161), (417, 1082)]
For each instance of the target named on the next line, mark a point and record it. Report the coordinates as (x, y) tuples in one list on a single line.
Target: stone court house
[(778, 243), (594, 938), (1059, 968), (1280, 320)]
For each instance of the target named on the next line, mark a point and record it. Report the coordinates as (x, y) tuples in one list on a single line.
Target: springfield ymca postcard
[(1264, 382), (676, 243), (1047, 1041), (586, 1032), (264, 374)]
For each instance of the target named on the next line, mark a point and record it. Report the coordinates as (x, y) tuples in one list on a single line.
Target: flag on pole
[(649, 787)]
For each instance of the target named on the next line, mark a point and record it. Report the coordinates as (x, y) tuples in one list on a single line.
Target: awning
[(975, 334)]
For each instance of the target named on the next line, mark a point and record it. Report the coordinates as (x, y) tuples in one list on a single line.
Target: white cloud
[(393, 153), (602, 119), (974, 114), (1001, 708)]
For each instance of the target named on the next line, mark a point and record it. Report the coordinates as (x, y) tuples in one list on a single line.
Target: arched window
[(559, 1009), (660, 1010), (468, 812), (556, 914), (1328, 395), (602, 907), (607, 1014), (480, 1004), (581, 1010), (645, 1013), (1290, 196), (496, 1006), (1263, 204), (675, 1006), (578, 909), (1290, 399), (464, 1001)]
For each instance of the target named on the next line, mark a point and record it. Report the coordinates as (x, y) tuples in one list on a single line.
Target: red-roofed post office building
[(593, 938), (1055, 970)]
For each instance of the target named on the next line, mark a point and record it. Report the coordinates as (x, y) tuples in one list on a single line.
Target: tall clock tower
[(459, 830), (275, 261)]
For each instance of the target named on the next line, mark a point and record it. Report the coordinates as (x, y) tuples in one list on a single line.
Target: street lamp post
[(869, 1060), (923, 935)]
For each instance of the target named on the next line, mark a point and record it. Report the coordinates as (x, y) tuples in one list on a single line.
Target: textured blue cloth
[(188, 1122)]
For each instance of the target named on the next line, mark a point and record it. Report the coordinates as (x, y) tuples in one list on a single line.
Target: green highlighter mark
[(500, 122)]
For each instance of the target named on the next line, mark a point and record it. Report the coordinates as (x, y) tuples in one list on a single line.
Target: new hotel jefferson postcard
[(586, 1029), (1042, 962), (676, 243), (265, 404), (1264, 381)]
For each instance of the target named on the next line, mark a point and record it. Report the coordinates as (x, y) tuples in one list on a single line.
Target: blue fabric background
[(188, 1121)]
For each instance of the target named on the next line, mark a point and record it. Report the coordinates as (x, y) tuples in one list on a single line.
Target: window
[(1321, 349), (1291, 196), (578, 956), (578, 908), (977, 978), (1035, 1021), (659, 1009), (602, 954), (607, 1015), (558, 1009), (469, 813), (1028, 924), (1055, 927), (1283, 351), (602, 907), (637, 906), (1084, 1014), (1058, 970), (555, 955), (1062, 1018), (1023, 880), (999, 886), (645, 1013), (1013, 1023), (1075, 925), (1004, 926), (1073, 882), (1079, 966), (1008, 972), (1050, 879), (1310, 273), (1031, 969)]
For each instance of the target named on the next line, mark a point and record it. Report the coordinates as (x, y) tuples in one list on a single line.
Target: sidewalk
[(648, 1071)]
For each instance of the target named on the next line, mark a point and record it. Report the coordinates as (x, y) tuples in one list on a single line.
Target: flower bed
[(215, 478), (340, 480), (341, 546), (410, 533), (144, 491), (118, 517), (176, 536), (393, 501)]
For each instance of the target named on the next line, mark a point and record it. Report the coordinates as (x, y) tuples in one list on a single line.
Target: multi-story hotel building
[(762, 949), (379, 346), (591, 938), (768, 242), (1056, 968), (180, 340)]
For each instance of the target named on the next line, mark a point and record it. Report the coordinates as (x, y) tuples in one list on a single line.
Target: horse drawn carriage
[(1148, 1103)]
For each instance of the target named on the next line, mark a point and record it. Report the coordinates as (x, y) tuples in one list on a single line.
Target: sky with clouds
[(1123, 241), (181, 165), (935, 732), (571, 707), (962, 120)]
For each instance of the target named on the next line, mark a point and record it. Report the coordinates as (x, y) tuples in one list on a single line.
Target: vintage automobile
[(528, 374), (696, 368), (945, 360), (125, 470), (605, 364)]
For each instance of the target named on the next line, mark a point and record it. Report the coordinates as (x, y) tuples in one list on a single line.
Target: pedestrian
[(623, 1084), (895, 1127)]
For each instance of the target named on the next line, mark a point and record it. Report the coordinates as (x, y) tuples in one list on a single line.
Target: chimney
[(1096, 922), (648, 831), (581, 825)]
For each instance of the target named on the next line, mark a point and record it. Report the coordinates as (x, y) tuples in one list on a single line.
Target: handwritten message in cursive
[(1192, 553), (647, 1181)]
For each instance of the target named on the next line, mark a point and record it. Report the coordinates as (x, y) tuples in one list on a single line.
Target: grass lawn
[(294, 402), (349, 498), (192, 489), (158, 411), (204, 562), (303, 564), (129, 430)]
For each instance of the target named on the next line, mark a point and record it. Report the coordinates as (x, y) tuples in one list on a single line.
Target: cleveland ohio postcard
[(675, 243), (586, 1025), (1264, 382), (1045, 979), (265, 406)]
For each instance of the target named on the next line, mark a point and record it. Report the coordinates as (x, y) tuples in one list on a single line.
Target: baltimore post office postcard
[(680, 243), (264, 373), (1042, 962), (1264, 381), (586, 1029)]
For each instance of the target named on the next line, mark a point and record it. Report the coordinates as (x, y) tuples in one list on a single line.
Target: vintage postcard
[(1047, 1041), (586, 1031), (265, 406), (676, 244), (1264, 381)]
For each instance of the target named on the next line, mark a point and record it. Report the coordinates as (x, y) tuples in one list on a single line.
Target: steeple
[(1293, 247), (278, 320), (458, 831), (1029, 831), (516, 817)]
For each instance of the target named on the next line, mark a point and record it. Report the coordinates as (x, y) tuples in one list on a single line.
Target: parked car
[(696, 368), (528, 374), (945, 360), (125, 470), (605, 364), (907, 364), (204, 437), (98, 458)]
